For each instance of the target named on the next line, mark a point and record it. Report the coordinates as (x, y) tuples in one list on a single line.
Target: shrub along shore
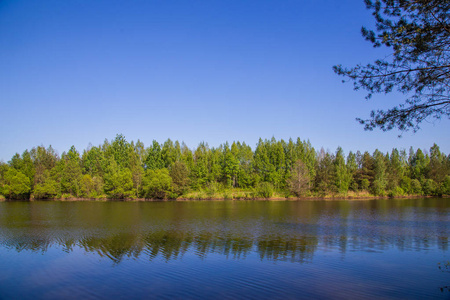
[(275, 170)]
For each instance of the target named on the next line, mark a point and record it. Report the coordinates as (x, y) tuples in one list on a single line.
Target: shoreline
[(325, 198)]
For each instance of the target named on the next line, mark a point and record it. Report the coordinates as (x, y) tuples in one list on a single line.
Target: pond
[(390, 249)]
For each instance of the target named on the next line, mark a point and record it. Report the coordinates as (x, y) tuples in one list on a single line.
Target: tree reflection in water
[(287, 231)]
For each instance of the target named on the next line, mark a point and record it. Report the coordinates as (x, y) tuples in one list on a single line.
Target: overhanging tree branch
[(418, 33)]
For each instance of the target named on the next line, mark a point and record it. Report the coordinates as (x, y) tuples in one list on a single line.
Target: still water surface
[(232, 249)]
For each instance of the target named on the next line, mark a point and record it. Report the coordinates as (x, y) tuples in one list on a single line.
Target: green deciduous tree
[(91, 187), (158, 184), (118, 182), (24, 164), (15, 185), (264, 190), (47, 187), (444, 188), (285, 167)]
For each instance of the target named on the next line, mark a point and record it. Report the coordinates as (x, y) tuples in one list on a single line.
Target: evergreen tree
[(418, 34), (200, 170), (120, 150), (93, 162), (352, 167), (71, 172), (154, 158), (180, 177), (437, 167), (343, 176), (325, 175), (230, 164), (379, 182), (169, 153)]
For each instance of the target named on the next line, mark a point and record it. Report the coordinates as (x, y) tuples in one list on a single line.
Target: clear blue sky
[(77, 72)]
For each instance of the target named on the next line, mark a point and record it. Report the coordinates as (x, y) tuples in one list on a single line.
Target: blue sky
[(77, 72)]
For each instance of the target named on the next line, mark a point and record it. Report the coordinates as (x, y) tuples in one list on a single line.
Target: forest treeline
[(119, 169)]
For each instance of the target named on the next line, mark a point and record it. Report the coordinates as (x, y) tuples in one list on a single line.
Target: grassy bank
[(240, 194)]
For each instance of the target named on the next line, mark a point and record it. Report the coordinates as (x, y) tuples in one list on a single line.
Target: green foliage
[(379, 184), (118, 183), (199, 169), (395, 169), (47, 189), (180, 177), (364, 176), (406, 185), (212, 189), (264, 190), (15, 185), (429, 187), (44, 160), (170, 153), (270, 161), (444, 188), (70, 172), (126, 170), (230, 165), (378, 188), (365, 184), (227, 194), (396, 192), (154, 158), (417, 33), (93, 161), (416, 187), (158, 184), (91, 187), (343, 174), (137, 171), (437, 169), (24, 164), (120, 149), (325, 174)]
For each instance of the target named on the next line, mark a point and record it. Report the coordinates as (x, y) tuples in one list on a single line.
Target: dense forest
[(119, 169)]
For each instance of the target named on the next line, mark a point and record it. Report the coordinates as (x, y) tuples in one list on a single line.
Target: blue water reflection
[(218, 250)]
